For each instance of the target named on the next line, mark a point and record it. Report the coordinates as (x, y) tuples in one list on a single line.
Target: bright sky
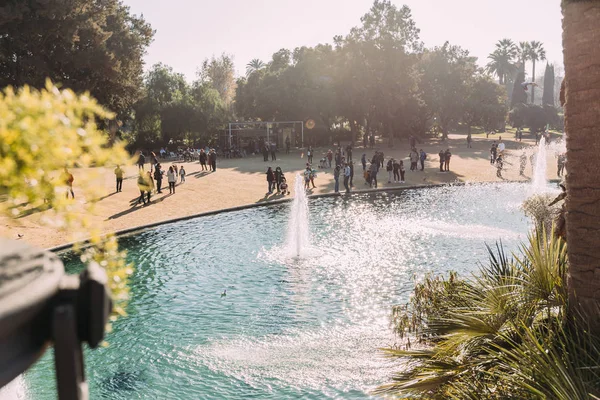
[(188, 31)]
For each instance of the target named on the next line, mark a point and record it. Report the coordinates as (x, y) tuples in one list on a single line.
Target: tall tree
[(95, 46), (548, 95), (535, 53), (519, 95), (502, 60), (254, 65), (219, 73), (523, 55), (581, 35)]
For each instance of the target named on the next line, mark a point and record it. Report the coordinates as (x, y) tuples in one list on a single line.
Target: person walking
[(68, 179), (469, 140), (203, 156), (141, 161), (347, 177), (422, 157), (396, 170), (336, 178), (142, 183), (158, 175), (171, 178), (213, 160), (390, 169), (119, 175), (447, 157), (270, 180), (182, 174), (442, 156), (363, 161), (402, 171), (149, 186), (278, 178), (373, 173)]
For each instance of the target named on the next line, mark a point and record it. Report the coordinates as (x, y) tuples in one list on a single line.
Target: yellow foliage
[(42, 133)]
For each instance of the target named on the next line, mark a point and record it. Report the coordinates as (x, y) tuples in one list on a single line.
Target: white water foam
[(539, 182), (15, 390), (298, 237)]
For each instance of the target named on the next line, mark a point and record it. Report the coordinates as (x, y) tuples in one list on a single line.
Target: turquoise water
[(287, 328)]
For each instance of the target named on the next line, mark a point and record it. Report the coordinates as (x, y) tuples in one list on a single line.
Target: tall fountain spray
[(538, 181), (297, 240)]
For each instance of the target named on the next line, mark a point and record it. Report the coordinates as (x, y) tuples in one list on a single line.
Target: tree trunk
[(581, 35), (533, 83)]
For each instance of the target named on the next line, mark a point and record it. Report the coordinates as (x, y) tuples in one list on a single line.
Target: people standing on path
[(493, 152), (442, 156), (363, 161), (501, 146), (347, 177), (499, 166), (412, 141), (381, 158), (447, 156), (309, 154), (422, 158), (68, 179), (313, 175), (213, 160), (270, 180), (390, 169), (336, 178), (396, 170), (158, 175), (373, 173), (143, 185), (182, 174), (203, 156), (349, 152), (351, 164), (469, 140), (329, 157), (119, 175), (402, 171), (273, 150), (414, 159), (172, 179), (265, 151), (141, 161), (278, 178)]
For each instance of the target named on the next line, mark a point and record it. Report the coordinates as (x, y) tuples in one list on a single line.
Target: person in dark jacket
[(158, 174), (270, 180), (442, 155), (278, 177)]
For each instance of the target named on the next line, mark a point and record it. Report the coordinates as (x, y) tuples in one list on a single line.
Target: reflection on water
[(288, 328)]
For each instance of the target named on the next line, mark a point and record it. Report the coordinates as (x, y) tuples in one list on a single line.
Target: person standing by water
[(309, 154), (414, 159), (171, 178), (158, 175), (442, 156), (203, 158), (213, 160), (373, 173), (396, 170), (447, 157), (499, 166), (182, 174), (336, 178), (363, 161), (351, 164), (329, 157), (422, 157), (402, 171), (270, 179), (278, 178), (347, 177), (390, 168), (119, 175), (307, 173), (493, 152), (144, 186), (469, 140), (349, 152)]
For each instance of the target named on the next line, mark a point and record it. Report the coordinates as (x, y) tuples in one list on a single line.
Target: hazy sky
[(188, 31)]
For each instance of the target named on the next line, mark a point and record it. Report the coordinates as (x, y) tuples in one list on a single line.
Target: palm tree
[(502, 60), (535, 52), (523, 54), (581, 33), (254, 65)]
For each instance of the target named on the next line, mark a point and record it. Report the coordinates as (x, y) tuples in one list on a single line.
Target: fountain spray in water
[(297, 239), (538, 182)]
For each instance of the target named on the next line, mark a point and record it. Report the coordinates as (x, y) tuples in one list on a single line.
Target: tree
[(548, 96), (581, 35), (219, 73), (535, 52), (523, 50), (254, 65), (502, 60), (485, 104), (83, 45), (519, 95)]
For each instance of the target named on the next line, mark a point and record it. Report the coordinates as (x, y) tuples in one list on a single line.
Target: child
[(182, 174), (284, 186)]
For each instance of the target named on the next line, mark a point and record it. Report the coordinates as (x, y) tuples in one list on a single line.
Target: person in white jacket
[(171, 178)]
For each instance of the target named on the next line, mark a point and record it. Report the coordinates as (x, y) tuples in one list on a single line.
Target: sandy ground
[(243, 181)]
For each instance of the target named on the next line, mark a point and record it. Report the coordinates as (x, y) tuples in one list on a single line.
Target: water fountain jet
[(297, 239)]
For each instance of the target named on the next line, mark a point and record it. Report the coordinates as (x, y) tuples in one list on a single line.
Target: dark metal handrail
[(40, 305)]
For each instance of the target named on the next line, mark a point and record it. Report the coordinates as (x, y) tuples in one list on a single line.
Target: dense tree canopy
[(94, 46)]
